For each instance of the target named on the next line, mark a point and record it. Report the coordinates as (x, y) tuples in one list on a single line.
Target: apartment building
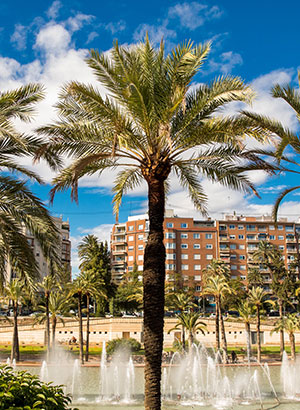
[(65, 249), (191, 244)]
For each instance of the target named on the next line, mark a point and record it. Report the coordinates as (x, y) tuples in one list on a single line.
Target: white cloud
[(19, 37), (225, 64), (155, 32), (115, 27), (193, 15), (53, 39), (78, 21), (92, 37), (53, 10)]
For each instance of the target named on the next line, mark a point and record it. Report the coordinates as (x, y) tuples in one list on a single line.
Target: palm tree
[(15, 293), (258, 298), (246, 311), (20, 210), (290, 324), (146, 125), (190, 321)]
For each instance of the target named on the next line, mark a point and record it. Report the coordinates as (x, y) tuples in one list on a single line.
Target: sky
[(47, 42)]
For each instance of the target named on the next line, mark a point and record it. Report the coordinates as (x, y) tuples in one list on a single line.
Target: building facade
[(191, 244), (64, 245)]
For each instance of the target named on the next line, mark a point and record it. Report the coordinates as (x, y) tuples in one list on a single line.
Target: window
[(170, 245), (196, 245), (242, 267), (141, 227), (232, 236), (130, 248), (140, 237), (231, 226), (184, 236), (241, 246), (170, 266), (281, 247), (209, 257), (197, 256), (170, 235), (233, 267), (209, 246), (130, 268), (223, 227), (140, 267), (130, 228), (250, 227), (184, 256), (242, 257), (280, 227), (289, 228), (184, 246), (184, 267), (130, 258), (169, 225), (140, 257), (251, 237), (272, 237), (197, 277), (271, 227), (198, 288), (280, 238), (233, 256), (184, 225), (261, 228), (241, 236), (197, 267), (171, 256), (140, 247), (232, 246), (240, 227), (223, 246), (196, 235), (243, 277), (233, 277), (208, 236), (130, 238)]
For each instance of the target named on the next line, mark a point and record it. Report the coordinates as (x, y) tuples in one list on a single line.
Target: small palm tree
[(258, 298), (190, 322), (15, 292), (290, 324), (149, 121), (246, 311)]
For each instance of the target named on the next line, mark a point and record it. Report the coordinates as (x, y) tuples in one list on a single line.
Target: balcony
[(119, 262), (292, 250), (250, 250), (119, 241), (225, 260), (254, 239), (119, 251), (290, 239), (122, 232), (224, 238)]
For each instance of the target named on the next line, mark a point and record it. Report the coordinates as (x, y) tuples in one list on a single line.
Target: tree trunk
[(293, 348), (258, 335), (223, 335), (80, 329), (183, 338), (87, 329), (15, 351), (248, 339), (53, 320), (280, 302), (191, 339), (217, 324), (47, 325), (154, 295)]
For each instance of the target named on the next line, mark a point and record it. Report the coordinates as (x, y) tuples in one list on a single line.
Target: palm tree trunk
[(15, 351), (217, 324), (248, 339), (53, 320), (293, 348), (154, 295), (183, 338), (47, 325), (191, 340), (80, 329), (223, 335), (87, 329), (280, 302), (258, 335)]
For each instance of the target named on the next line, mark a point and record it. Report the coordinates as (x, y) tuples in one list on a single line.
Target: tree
[(290, 324), (149, 120), (15, 293), (258, 298), (246, 311), (20, 210), (190, 321)]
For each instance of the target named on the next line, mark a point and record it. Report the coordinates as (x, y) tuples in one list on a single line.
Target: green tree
[(149, 120), (258, 298), (190, 321), (290, 324)]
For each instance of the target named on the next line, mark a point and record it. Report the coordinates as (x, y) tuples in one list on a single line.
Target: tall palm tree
[(151, 123), (15, 293), (20, 210), (246, 311), (190, 321), (290, 324), (258, 298)]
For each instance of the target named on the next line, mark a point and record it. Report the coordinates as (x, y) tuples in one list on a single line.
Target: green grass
[(23, 349)]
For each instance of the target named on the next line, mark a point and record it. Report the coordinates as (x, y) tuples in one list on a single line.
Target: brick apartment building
[(191, 244)]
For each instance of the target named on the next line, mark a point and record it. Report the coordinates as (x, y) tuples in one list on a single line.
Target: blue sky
[(45, 41)]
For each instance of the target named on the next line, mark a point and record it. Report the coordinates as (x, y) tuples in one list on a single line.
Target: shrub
[(23, 391), (130, 344)]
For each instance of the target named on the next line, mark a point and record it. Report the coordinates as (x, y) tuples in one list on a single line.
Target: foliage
[(23, 391), (130, 344)]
